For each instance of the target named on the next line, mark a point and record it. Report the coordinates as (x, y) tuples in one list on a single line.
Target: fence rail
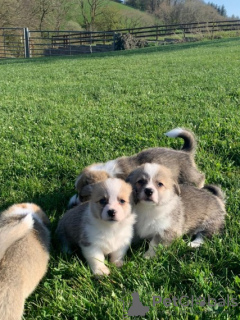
[(155, 32), (12, 43), (20, 42)]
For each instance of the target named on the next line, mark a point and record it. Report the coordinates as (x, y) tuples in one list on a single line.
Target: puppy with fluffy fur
[(181, 162), (24, 255), (103, 226), (166, 210), (84, 184)]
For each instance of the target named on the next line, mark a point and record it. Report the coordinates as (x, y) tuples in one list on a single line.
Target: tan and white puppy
[(24, 255), (181, 162), (166, 210), (103, 226)]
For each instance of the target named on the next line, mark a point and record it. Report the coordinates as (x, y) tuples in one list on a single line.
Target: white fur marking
[(20, 211), (73, 201), (151, 169), (110, 236), (28, 220), (111, 167), (174, 133), (197, 241), (114, 187), (151, 221)]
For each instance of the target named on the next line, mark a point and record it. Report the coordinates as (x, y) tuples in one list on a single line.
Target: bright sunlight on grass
[(59, 115)]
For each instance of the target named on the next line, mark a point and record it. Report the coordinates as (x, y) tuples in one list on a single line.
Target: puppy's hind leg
[(193, 176)]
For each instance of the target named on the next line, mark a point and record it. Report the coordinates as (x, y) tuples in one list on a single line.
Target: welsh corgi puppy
[(166, 210), (180, 162), (24, 255), (103, 226)]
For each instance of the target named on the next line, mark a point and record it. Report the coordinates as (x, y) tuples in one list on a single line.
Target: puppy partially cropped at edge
[(103, 226), (181, 162), (166, 210), (24, 255)]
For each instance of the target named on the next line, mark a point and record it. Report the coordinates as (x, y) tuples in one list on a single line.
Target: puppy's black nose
[(148, 192), (111, 213)]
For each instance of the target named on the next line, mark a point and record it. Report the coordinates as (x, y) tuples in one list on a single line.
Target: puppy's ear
[(84, 179), (80, 182), (176, 188), (131, 177), (85, 193)]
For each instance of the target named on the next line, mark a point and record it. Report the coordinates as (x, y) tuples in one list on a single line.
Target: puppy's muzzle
[(111, 213), (148, 192)]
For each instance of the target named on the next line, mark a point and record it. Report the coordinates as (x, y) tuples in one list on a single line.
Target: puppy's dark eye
[(160, 184), (122, 201), (141, 182), (103, 201)]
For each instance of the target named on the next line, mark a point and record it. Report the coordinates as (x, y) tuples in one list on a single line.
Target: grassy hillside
[(59, 115), (124, 16)]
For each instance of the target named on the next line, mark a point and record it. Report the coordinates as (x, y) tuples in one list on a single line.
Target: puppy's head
[(111, 200), (153, 184), (87, 178)]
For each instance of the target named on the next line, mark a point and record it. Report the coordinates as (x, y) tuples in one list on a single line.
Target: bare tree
[(90, 10), (9, 13), (185, 11), (61, 9), (41, 10), (109, 20)]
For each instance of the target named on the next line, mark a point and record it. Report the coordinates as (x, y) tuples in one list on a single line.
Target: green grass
[(58, 115)]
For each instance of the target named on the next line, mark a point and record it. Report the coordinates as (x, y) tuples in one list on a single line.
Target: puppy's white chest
[(151, 221), (110, 239)]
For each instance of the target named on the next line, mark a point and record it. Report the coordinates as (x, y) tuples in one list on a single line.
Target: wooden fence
[(152, 33), (156, 32), (16, 42)]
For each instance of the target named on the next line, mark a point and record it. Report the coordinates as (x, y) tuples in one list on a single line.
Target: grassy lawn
[(58, 115)]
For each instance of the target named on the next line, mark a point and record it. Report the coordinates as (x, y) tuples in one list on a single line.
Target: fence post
[(26, 43), (114, 41)]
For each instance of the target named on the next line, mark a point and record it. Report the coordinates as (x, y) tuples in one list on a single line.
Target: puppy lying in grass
[(166, 210), (181, 162), (103, 226), (24, 255)]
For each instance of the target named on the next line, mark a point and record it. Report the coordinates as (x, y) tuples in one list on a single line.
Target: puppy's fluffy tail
[(188, 137), (216, 191), (13, 227)]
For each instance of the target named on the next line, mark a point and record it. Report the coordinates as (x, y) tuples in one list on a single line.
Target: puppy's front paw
[(101, 270), (194, 244), (118, 263), (149, 254)]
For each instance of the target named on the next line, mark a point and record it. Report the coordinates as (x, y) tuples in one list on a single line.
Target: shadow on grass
[(154, 49)]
